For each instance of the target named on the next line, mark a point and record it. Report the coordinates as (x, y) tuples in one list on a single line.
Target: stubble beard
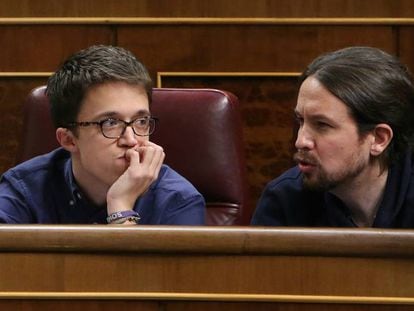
[(325, 181)]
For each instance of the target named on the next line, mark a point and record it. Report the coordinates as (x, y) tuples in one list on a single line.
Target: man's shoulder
[(289, 189), (290, 179), (39, 165), (285, 202), (170, 181)]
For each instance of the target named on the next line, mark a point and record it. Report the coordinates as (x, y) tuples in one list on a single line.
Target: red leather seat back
[(38, 131), (201, 133)]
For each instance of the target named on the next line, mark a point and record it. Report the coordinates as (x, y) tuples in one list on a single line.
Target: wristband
[(121, 217), (120, 221)]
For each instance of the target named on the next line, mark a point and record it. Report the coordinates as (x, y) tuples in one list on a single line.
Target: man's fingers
[(133, 156), (151, 154)]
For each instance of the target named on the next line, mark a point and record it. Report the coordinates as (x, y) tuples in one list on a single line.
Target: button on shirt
[(43, 190)]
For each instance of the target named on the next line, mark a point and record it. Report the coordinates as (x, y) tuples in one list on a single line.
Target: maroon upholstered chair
[(201, 133)]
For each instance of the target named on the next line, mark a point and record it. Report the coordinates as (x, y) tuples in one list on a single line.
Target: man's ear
[(66, 139), (382, 137)]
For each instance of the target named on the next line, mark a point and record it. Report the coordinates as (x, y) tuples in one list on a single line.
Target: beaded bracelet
[(121, 217)]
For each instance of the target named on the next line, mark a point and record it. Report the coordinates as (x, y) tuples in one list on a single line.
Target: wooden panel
[(406, 46), (209, 273), (207, 306), (193, 268), (77, 305), (244, 47), (267, 113), (215, 8), (44, 47), (109, 305)]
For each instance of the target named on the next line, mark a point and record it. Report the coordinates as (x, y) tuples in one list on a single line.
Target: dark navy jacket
[(284, 202), (43, 190)]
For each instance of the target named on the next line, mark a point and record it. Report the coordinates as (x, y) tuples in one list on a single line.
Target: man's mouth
[(305, 163), (306, 167), (122, 158)]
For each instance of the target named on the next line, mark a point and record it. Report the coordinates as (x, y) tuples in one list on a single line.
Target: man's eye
[(322, 125), (141, 122), (110, 123)]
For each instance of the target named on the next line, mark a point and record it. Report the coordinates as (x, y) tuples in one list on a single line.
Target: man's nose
[(128, 137), (304, 139)]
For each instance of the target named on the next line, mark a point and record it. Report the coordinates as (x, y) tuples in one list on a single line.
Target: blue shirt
[(285, 202), (43, 190)]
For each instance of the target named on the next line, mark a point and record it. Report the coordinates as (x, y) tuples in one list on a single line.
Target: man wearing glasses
[(107, 170)]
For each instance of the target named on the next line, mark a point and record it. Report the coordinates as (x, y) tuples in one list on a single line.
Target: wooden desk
[(208, 268)]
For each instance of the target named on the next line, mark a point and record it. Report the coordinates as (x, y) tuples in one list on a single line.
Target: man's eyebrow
[(315, 117), (116, 114), (143, 113), (320, 116)]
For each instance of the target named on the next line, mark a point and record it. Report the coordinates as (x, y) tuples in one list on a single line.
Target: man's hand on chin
[(145, 163)]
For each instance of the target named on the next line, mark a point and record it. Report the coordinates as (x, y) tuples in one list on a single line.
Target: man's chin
[(315, 184)]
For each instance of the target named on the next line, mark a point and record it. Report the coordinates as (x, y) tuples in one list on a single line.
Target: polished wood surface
[(207, 240), (179, 267), (214, 8)]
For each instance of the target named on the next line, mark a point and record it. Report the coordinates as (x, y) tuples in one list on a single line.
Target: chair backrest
[(201, 133)]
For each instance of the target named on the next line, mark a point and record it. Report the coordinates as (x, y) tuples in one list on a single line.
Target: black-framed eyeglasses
[(115, 128)]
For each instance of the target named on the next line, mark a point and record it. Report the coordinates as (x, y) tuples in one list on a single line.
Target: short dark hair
[(375, 87), (97, 64)]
